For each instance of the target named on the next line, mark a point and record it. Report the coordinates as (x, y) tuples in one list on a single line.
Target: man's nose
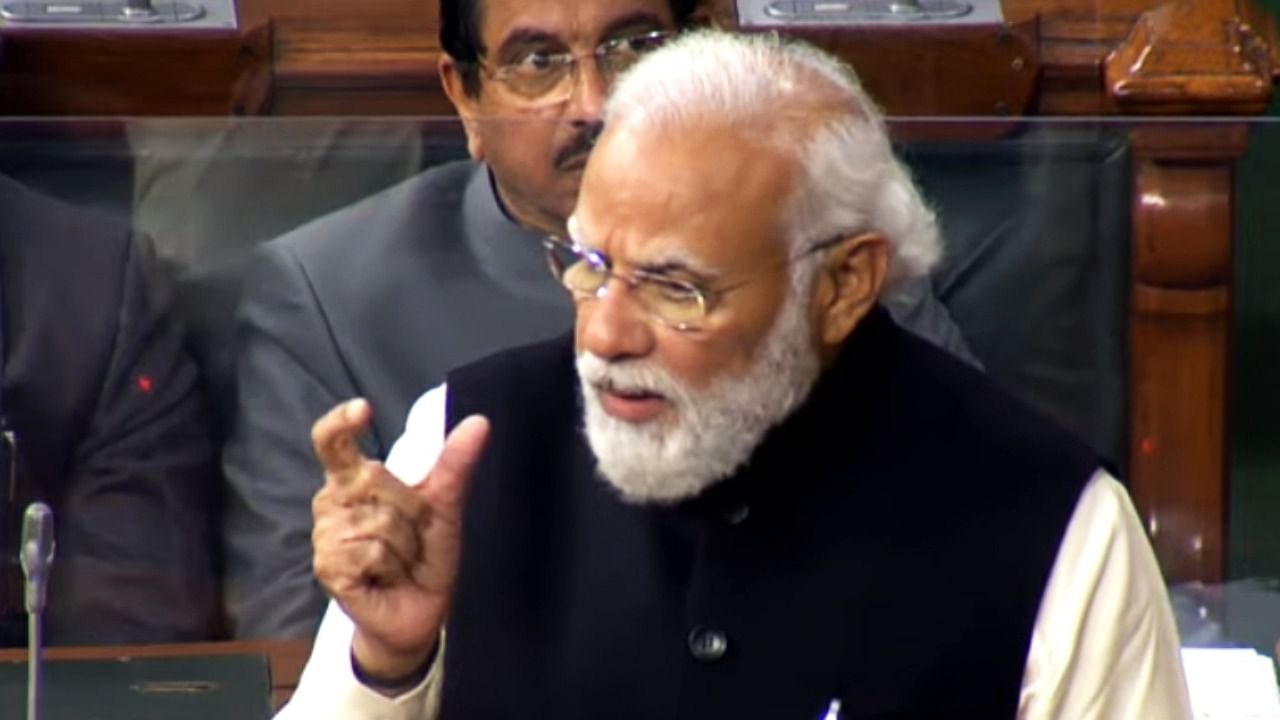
[(590, 88), (612, 326)]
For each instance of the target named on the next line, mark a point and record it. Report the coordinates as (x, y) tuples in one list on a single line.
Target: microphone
[(36, 558), (36, 555)]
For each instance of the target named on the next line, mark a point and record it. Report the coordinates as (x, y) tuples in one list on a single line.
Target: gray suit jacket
[(379, 300)]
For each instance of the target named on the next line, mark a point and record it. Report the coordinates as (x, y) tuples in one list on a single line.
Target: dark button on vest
[(708, 644), (738, 515)]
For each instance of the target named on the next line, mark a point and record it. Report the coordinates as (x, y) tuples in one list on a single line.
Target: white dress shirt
[(1104, 643)]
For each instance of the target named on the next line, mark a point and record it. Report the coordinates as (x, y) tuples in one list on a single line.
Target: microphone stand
[(36, 557), (35, 643)]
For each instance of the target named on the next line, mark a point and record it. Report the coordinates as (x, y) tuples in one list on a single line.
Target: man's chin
[(568, 180)]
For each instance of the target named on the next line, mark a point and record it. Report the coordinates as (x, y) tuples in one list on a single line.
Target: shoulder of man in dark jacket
[(111, 427)]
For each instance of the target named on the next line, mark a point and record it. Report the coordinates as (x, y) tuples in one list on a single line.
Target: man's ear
[(467, 105), (849, 284)]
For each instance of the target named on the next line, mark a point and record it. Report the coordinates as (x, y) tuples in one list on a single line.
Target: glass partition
[(1039, 219)]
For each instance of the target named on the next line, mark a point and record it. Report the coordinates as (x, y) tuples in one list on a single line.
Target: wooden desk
[(286, 657)]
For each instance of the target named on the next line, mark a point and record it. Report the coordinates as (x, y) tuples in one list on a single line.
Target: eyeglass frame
[(571, 60), (707, 298)]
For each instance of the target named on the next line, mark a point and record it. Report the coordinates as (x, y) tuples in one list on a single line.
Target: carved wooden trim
[(1072, 50), (251, 89), (1195, 57)]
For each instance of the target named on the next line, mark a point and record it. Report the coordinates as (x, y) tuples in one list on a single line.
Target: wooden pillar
[(1179, 341), (1200, 57)]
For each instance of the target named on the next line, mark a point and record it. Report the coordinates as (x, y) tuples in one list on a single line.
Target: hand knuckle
[(384, 519), (320, 432), (376, 554), (323, 569), (321, 502), (369, 475), (322, 538)]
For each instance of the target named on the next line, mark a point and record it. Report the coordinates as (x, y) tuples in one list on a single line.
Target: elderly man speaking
[(739, 490)]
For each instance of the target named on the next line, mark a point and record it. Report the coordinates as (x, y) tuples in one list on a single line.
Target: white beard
[(708, 435)]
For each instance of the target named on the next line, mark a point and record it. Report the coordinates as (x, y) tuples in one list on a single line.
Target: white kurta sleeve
[(328, 687), (1104, 646)]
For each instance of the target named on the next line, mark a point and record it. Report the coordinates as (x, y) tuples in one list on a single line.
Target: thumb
[(445, 488)]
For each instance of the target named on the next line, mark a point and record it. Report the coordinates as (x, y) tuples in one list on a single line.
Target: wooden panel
[(393, 72), (1016, 10), (967, 71), (73, 72), (922, 70), (286, 657), (379, 57), (374, 57), (1072, 51)]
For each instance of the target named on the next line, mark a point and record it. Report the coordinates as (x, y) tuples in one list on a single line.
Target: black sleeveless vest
[(886, 546)]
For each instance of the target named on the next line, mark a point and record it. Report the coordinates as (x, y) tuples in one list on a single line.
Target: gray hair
[(805, 103)]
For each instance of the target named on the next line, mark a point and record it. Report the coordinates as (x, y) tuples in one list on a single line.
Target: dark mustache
[(578, 147)]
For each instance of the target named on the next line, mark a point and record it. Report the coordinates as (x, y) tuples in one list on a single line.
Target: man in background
[(102, 418)]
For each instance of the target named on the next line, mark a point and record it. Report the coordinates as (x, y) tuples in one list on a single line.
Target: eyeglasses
[(678, 304), (548, 78)]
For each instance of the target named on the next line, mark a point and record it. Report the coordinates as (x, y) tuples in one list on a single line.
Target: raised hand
[(388, 552)]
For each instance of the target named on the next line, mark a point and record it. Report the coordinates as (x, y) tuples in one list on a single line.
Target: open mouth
[(631, 404)]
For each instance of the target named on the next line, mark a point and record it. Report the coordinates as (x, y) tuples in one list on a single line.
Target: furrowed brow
[(678, 264)]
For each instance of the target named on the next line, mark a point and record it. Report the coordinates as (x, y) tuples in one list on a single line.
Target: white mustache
[(630, 377)]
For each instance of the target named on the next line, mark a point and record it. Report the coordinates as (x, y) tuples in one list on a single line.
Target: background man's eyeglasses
[(546, 78)]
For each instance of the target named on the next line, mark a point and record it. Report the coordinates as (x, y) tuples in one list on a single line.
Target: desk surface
[(286, 657)]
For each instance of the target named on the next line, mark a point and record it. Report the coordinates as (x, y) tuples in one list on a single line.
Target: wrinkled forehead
[(707, 195), (660, 254)]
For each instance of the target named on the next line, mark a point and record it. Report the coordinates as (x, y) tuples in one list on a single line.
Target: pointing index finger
[(334, 437)]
